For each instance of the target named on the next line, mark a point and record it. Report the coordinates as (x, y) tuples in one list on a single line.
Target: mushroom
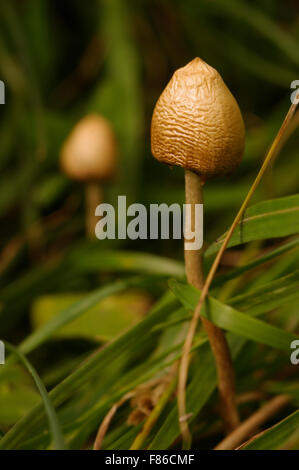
[(89, 155), (197, 125)]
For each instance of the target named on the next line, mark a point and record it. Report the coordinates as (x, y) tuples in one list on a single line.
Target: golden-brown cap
[(197, 123), (89, 152)]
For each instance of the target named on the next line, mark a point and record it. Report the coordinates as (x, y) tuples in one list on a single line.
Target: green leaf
[(73, 312), (230, 319), (58, 440), (276, 437), (269, 219), (104, 321)]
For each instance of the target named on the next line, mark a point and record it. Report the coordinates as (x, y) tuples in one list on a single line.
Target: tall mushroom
[(197, 125), (89, 155)]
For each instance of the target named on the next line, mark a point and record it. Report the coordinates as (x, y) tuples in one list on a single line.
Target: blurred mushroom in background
[(89, 155)]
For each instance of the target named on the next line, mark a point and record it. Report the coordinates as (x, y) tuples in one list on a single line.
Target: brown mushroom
[(89, 155), (197, 125)]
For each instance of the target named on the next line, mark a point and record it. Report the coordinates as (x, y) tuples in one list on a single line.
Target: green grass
[(60, 62)]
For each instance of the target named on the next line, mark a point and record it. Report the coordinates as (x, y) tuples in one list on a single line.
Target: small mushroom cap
[(197, 123), (89, 152)]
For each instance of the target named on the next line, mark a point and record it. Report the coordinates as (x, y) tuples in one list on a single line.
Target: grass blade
[(268, 219), (89, 370), (58, 440), (230, 319), (277, 436)]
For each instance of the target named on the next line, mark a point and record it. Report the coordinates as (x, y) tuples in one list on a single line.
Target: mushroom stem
[(220, 348), (193, 258), (93, 197)]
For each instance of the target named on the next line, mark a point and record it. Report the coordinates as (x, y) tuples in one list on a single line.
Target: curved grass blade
[(54, 425), (89, 370), (276, 437)]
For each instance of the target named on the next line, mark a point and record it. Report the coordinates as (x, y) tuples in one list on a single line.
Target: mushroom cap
[(89, 152), (197, 123)]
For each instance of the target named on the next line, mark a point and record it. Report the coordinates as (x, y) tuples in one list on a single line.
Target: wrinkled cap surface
[(197, 123), (89, 153)]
